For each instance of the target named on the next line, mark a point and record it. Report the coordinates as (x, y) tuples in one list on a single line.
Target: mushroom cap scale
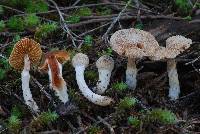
[(25, 47), (105, 62), (133, 43), (80, 59)]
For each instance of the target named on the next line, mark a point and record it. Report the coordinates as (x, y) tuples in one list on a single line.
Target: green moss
[(127, 103), (2, 25), (94, 130), (188, 18), (108, 52), (73, 19), (102, 10), (15, 23), (37, 6), (17, 3), (88, 40), (32, 20), (85, 11), (139, 26), (91, 75), (14, 124), (2, 74), (162, 116), (44, 30), (43, 119), (134, 121), (120, 86), (183, 6)]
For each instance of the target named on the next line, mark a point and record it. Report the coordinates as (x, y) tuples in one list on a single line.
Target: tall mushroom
[(53, 64), (80, 62), (25, 53), (133, 43), (105, 65), (174, 46)]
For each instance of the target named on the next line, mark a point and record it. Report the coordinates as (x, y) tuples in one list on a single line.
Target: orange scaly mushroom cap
[(25, 47)]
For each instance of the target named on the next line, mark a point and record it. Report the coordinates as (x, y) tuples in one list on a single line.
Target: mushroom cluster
[(80, 62), (135, 43)]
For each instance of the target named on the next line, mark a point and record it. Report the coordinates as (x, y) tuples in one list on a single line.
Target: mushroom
[(174, 46), (105, 65), (53, 64), (133, 43), (25, 53), (80, 62)]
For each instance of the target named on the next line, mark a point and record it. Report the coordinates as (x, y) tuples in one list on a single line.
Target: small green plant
[(108, 52), (91, 75), (85, 11), (134, 121), (32, 20), (14, 122), (4, 67), (2, 74), (43, 119), (162, 116), (88, 40), (102, 10), (44, 30), (94, 130), (188, 18), (16, 23), (183, 6), (139, 26), (127, 103), (2, 25), (120, 86), (73, 19), (36, 6)]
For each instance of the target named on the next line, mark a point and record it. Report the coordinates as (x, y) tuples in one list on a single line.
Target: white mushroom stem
[(25, 86), (105, 65), (61, 91), (94, 98), (131, 73), (174, 87), (104, 80)]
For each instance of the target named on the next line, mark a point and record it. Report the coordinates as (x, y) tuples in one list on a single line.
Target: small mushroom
[(174, 46), (53, 64), (25, 53), (105, 65), (133, 43), (80, 62)]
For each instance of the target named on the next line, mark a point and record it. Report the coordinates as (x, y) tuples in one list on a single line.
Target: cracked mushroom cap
[(25, 47), (105, 62), (176, 45), (133, 43), (80, 59)]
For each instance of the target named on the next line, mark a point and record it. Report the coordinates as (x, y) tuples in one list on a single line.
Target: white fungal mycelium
[(80, 62)]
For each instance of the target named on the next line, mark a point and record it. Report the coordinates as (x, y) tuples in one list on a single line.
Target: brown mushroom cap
[(60, 55), (133, 43), (23, 47), (105, 62)]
